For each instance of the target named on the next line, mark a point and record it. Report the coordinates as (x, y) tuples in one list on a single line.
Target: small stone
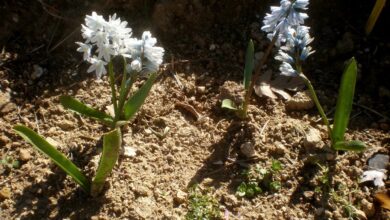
[(38, 72), (312, 139), (360, 215), (300, 101), (5, 193), (201, 89), (247, 149), (230, 200), (308, 194), (65, 125), (53, 200), (6, 105), (280, 148), (142, 190), (4, 140), (368, 208), (129, 151), (180, 197), (330, 156), (24, 155)]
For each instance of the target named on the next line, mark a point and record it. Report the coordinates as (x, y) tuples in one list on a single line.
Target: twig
[(373, 111), (63, 40), (264, 126)]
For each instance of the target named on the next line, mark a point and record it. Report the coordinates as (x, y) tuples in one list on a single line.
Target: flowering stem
[(113, 89), (256, 76), (122, 92), (315, 98)]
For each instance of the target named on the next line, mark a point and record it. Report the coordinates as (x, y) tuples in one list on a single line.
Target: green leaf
[(135, 102), (249, 64), (79, 107), (229, 104), (376, 11), (58, 158), (276, 165), (349, 145), (344, 101), (112, 142)]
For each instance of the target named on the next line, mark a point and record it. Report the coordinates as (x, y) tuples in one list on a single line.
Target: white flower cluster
[(107, 39), (293, 38)]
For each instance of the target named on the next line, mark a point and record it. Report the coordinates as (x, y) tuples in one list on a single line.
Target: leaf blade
[(56, 156), (229, 104), (344, 101), (112, 142), (249, 64), (75, 105), (375, 13), (135, 102), (354, 145)]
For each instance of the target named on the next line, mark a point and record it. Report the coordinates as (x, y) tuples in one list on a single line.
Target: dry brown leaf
[(384, 199), (269, 88)]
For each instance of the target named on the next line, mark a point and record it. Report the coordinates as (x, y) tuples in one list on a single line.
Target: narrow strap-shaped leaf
[(344, 101), (112, 142), (249, 64), (81, 108), (349, 146), (376, 11), (135, 101), (229, 104), (56, 156)]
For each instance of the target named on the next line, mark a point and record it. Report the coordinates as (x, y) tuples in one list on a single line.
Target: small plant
[(202, 206), (284, 27), (259, 179), (104, 41), (9, 162)]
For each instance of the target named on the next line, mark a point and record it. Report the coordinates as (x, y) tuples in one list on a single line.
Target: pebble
[(4, 139), (312, 139), (230, 200), (5, 103), (5, 193), (201, 89), (247, 149), (368, 208), (24, 155), (308, 194), (280, 148), (300, 101), (360, 215), (65, 125), (180, 197)]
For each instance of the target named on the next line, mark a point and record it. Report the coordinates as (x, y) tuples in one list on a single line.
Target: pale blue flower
[(281, 17), (287, 70)]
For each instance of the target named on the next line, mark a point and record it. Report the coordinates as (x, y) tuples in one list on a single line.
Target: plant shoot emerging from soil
[(105, 41)]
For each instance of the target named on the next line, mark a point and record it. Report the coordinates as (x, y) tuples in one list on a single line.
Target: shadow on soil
[(48, 200), (236, 134)]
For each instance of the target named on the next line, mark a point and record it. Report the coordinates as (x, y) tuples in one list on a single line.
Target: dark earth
[(205, 45)]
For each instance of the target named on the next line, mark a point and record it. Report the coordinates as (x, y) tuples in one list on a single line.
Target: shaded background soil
[(206, 42)]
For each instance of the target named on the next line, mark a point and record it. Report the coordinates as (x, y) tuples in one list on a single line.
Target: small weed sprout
[(259, 179), (202, 205), (8, 162), (105, 41)]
